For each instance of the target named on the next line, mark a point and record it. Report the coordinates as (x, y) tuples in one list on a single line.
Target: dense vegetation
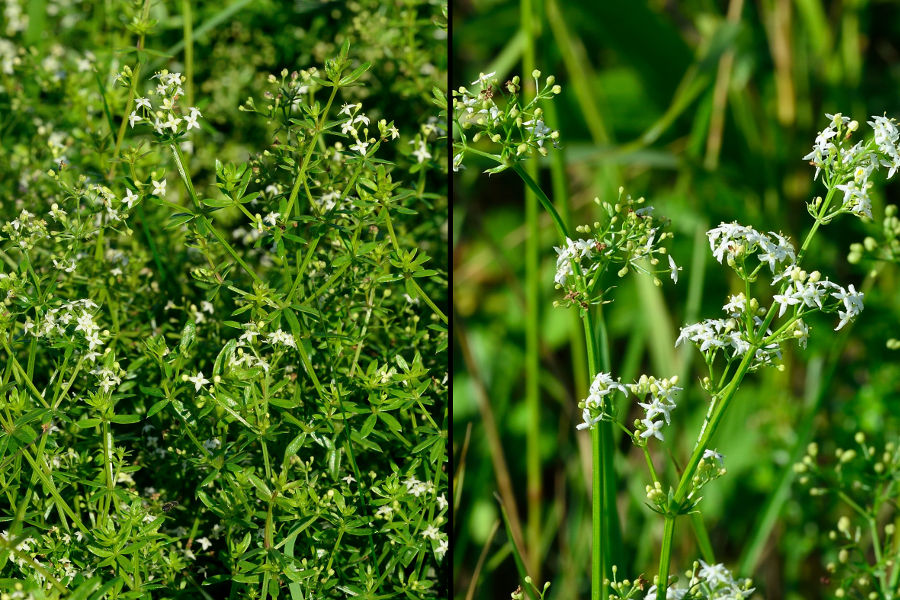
[(223, 342)]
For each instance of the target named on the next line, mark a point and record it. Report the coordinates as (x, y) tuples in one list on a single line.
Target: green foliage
[(223, 343)]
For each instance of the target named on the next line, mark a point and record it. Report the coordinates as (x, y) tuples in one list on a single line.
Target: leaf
[(124, 419), (294, 445), (391, 421), (217, 202), (224, 356), (187, 336), (258, 483), (356, 74), (152, 391), (368, 426), (85, 423)]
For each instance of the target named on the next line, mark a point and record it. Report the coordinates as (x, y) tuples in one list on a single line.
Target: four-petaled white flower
[(159, 188), (134, 118), (653, 428), (129, 199), (191, 121), (360, 146), (421, 152), (142, 102), (198, 380)]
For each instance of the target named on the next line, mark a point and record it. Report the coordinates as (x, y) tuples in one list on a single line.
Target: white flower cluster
[(630, 237), (108, 378), (711, 582), (357, 122), (55, 322), (734, 243), (572, 251), (811, 291), (849, 167), (886, 137), (658, 406), (166, 118), (281, 338), (433, 533), (712, 335), (25, 230), (594, 407)]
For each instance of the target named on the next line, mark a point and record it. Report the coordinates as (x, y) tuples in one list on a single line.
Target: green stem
[(188, 50), (135, 77), (312, 143), (532, 299), (665, 557)]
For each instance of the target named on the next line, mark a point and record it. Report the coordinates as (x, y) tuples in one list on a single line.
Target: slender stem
[(135, 77), (665, 556), (532, 299), (188, 50), (312, 143)]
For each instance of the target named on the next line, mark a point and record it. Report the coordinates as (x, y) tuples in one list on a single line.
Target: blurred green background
[(705, 108)]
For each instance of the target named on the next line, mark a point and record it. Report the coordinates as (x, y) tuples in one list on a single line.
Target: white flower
[(421, 152), (141, 102), (195, 112), (653, 428), (198, 380), (442, 502), (736, 305), (159, 188), (656, 408), (207, 306), (430, 532), (134, 118), (360, 146), (191, 121), (441, 549), (715, 575), (349, 479), (212, 444), (85, 323), (272, 218), (785, 300), (204, 543), (172, 122), (853, 303), (347, 109), (129, 199)]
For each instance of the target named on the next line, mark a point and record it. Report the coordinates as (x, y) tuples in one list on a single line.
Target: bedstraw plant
[(219, 377), (496, 121)]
